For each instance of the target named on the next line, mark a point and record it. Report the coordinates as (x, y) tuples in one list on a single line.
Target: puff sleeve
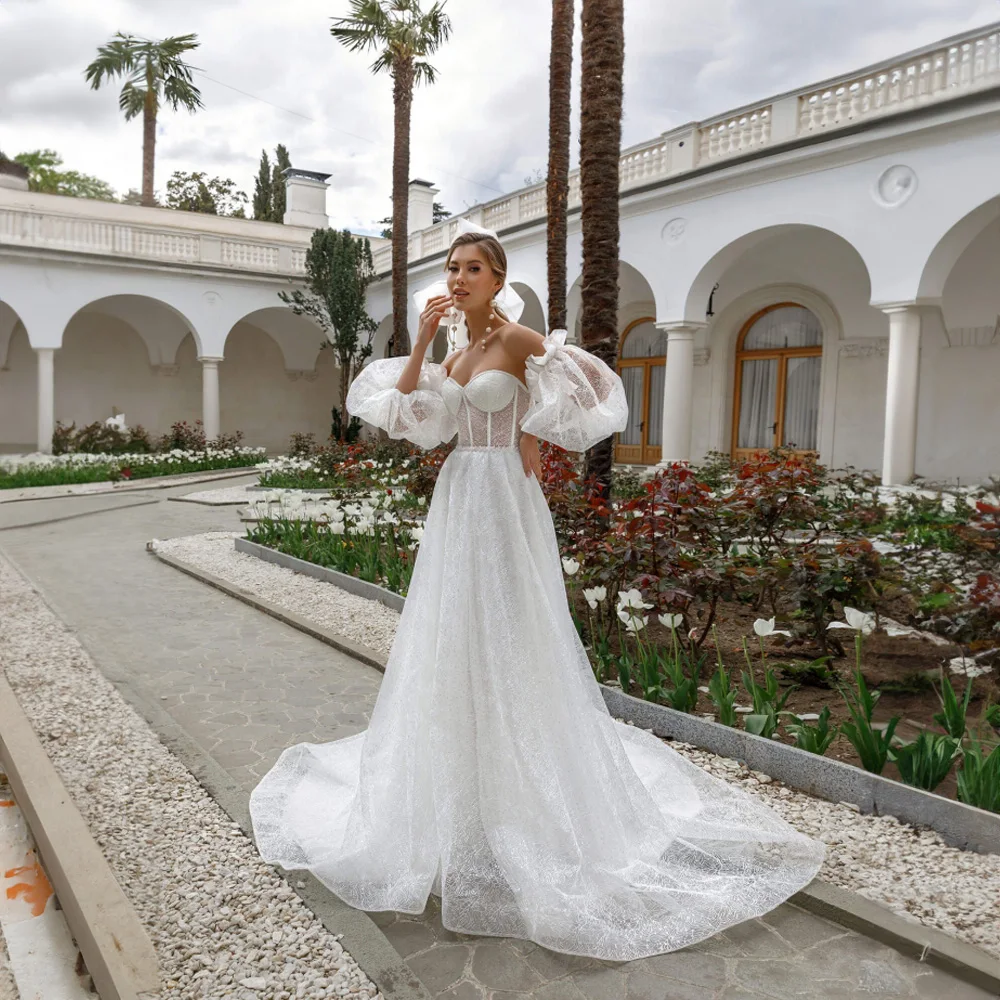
[(419, 416), (576, 399)]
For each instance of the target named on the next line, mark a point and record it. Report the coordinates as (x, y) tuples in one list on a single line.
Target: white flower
[(631, 599), (670, 621), (570, 567), (633, 623), (337, 528), (422, 501), (765, 627), (857, 621), (595, 596)]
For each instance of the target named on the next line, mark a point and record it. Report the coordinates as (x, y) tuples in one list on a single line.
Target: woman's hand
[(531, 458), (432, 317)]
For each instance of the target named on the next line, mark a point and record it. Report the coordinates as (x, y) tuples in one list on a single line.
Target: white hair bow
[(510, 303)]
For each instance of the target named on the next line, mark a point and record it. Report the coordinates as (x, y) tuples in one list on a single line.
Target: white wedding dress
[(491, 773)]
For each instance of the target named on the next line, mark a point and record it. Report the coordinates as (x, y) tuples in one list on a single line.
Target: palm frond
[(132, 100), (177, 91)]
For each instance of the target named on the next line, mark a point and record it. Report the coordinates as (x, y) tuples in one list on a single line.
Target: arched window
[(778, 365), (641, 365)]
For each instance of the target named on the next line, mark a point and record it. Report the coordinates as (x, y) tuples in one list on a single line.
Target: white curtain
[(654, 425), (758, 403), (787, 326), (632, 380), (802, 403)]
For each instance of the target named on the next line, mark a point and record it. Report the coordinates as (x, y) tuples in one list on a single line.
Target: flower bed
[(17, 471), (736, 586), (369, 540)]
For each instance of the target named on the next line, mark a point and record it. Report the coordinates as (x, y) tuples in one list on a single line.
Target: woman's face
[(470, 281)]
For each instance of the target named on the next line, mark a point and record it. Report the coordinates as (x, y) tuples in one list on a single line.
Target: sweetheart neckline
[(486, 371)]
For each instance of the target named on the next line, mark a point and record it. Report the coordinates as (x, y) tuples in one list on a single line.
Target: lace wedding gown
[(491, 773)]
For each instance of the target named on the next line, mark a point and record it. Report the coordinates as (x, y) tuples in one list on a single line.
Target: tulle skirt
[(492, 775)]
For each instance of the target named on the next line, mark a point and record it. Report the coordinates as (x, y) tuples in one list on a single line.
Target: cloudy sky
[(270, 72)]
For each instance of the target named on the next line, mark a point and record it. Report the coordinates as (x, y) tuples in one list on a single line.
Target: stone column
[(900, 447), (46, 397), (678, 392), (210, 397)]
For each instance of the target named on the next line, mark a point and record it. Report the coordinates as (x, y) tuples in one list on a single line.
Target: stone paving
[(244, 686)]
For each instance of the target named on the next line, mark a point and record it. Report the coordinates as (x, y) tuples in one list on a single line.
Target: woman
[(491, 773)]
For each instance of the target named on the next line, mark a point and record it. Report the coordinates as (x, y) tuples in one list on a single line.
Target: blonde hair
[(496, 257)]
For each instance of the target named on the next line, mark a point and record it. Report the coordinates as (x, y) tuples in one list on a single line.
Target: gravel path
[(908, 869), (223, 923), (219, 498)]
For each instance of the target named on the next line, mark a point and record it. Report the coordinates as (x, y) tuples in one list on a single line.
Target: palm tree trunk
[(402, 96), (557, 185), (148, 145), (602, 62)]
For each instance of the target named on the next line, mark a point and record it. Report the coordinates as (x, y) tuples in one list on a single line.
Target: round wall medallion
[(895, 186), (212, 297), (674, 230)]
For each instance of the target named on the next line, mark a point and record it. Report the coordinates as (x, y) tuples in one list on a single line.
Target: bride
[(491, 773)]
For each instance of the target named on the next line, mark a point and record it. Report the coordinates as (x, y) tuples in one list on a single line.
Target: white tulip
[(765, 627), (631, 599), (857, 621), (671, 621), (570, 567), (595, 596)]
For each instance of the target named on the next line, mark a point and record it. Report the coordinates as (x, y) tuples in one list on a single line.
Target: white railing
[(44, 229), (932, 75), (923, 78)]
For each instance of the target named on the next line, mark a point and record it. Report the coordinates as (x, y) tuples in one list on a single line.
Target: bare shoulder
[(520, 341)]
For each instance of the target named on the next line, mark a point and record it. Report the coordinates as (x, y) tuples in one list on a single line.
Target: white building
[(818, 269)]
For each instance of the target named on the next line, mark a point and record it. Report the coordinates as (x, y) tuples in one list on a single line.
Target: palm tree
[(405, 36), (602, 58), (557, 185), (155, 74)]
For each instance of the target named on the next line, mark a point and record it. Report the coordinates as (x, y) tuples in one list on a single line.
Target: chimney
[(420, 213), (305, 199)]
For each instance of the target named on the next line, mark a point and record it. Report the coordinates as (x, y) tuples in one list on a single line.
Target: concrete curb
[(958, 824), (926, 944), (841, 906), (136, 486), (114, 944), (360, 588)]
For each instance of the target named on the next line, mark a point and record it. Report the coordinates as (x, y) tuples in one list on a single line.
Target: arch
[(636, 298), (9, 320), (699, 289), (299, 337), (724, 339), (159, 325), (533, 315), (18, 384), (950, 247), (380, 342)]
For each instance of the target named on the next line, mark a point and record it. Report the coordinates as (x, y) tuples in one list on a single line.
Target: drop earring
[(493, 316)]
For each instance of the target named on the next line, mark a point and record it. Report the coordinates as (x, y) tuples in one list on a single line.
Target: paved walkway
[(244, 686)]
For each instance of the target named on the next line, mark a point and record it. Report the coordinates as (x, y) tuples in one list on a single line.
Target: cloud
[(272, 75)]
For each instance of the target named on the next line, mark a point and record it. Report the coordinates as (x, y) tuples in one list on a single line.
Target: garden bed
[(817, 610)]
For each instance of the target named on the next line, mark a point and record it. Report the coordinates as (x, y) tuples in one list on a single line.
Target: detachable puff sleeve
[(419, 416), (576, 399)]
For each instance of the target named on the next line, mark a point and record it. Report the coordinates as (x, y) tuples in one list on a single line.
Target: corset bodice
[(488, 408)]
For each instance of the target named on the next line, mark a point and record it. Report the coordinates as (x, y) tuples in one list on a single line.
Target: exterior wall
[(958, 432), (18, 395), (104, 364), (258, 397)]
